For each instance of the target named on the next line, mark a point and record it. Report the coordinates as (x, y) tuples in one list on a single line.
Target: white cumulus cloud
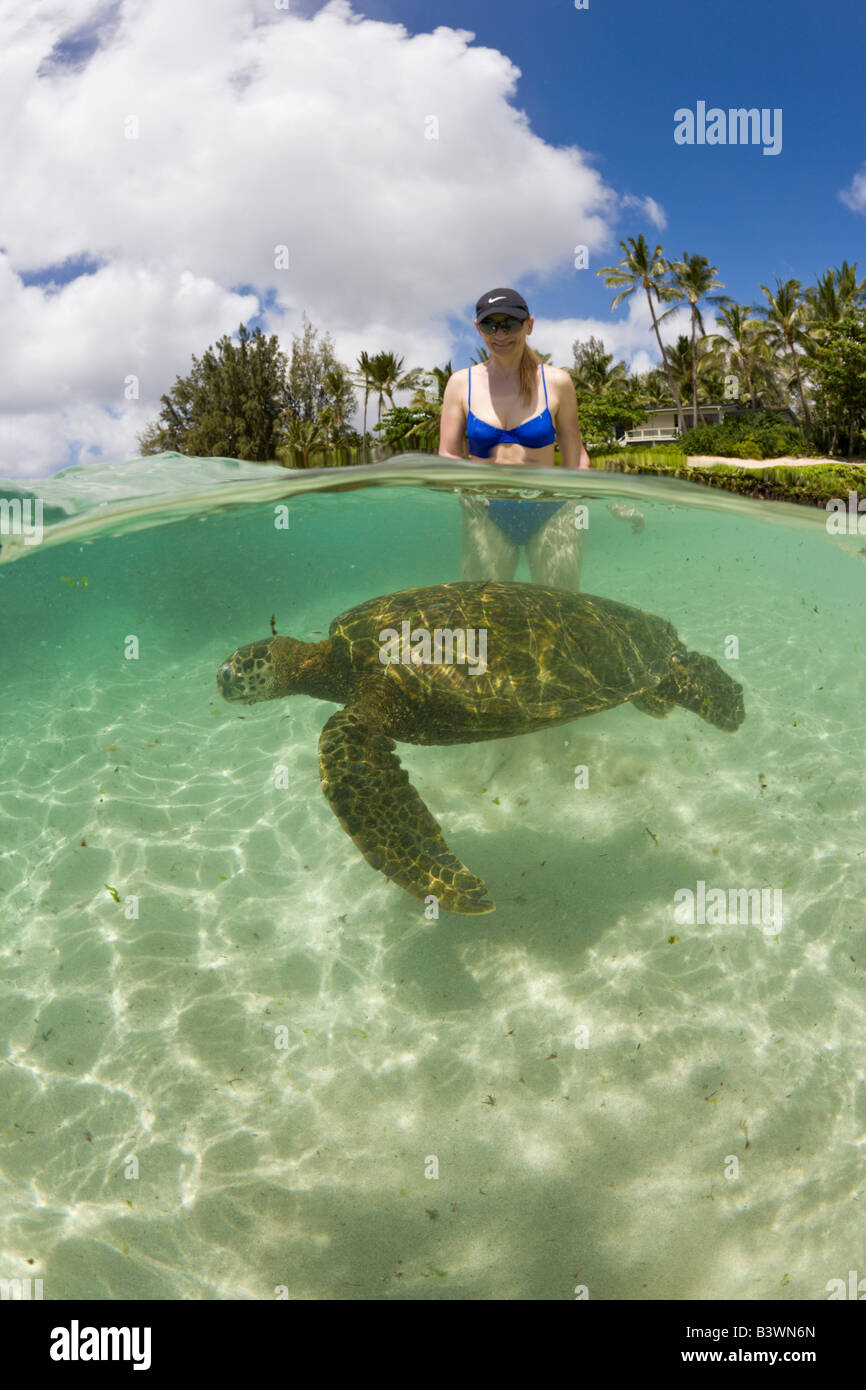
[(854, 196), (631, 338), (178, 148), (652, 210)]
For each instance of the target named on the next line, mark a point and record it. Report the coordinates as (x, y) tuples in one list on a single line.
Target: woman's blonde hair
[(528, 373)]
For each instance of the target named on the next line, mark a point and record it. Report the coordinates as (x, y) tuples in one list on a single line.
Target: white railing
[(666, 432)]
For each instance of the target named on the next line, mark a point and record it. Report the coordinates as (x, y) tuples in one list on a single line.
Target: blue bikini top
[(532, 434)]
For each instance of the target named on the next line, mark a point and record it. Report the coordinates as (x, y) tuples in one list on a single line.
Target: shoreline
[(701, 460)]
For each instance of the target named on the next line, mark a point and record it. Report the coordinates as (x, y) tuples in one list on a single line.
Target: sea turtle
[(402, 667)]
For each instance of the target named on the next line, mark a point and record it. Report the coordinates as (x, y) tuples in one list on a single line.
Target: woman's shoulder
[(456, 386), (459, 377), (556, 374), (557, 378)]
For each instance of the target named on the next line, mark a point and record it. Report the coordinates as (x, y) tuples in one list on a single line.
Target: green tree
[(604, 416), (339, 398), (680, 359), (642, 269), (441, 376), (303, 440), (654, 388), (403, 424), (316, 379), (365, 373), (381, 376), (840, 371), (388, 377), (592, 370), (745, 349), (609, 401), (422, 417), (692, 278), (836, 294), (787, 329), (230, 404)]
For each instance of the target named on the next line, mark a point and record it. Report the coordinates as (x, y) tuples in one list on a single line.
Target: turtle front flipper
[(650, 702), (374, 801)]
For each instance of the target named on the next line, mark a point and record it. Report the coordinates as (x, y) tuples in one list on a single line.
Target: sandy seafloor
[(146, 1044)]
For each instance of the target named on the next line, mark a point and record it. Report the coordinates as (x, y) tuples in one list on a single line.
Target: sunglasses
[(508, 326)]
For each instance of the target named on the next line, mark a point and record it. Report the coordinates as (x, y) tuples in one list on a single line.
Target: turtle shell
[(551, 655)]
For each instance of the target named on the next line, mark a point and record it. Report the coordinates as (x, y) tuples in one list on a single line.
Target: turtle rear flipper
[(374, 801)]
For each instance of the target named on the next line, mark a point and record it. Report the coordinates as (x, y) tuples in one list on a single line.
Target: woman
[(511, 409)]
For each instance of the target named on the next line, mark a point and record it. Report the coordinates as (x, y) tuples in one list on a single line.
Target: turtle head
[(279, 666), (256, 672), (698, 683)]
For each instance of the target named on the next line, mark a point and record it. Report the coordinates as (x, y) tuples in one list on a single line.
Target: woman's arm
[(452, 425), (568, 438)]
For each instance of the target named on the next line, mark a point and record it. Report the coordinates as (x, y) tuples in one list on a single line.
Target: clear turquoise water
[(156, 1143)]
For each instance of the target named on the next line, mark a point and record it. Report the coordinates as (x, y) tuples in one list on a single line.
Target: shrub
[(758, 435), (747, 449), (811, 485)]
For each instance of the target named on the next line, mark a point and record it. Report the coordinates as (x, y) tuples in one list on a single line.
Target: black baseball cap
[(501, 302)]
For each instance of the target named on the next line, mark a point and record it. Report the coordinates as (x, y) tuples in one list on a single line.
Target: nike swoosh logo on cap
[(497, 299)]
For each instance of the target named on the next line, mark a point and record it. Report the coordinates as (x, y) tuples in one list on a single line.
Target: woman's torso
[(510, 413)]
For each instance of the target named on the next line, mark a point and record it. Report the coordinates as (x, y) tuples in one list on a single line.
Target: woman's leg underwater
[(555, 552), (487, 552)]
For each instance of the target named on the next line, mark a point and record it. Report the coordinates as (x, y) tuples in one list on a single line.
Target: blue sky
[(150, 173), (610, 79)]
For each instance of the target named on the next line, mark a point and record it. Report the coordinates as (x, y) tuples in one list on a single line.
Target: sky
[(173, 168)]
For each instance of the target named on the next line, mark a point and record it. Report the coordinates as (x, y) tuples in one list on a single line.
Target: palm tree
[(681, 360), (442, 376), (383, 374), (388, 377), (692, 278), (746, 349), (592, 370), (337, 386), (305, 437), (787, 329), (423, 398), (836, 294), (431, 405), (654, 388), (833, 296), (637, 269), (364, 378), (846, 277)]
